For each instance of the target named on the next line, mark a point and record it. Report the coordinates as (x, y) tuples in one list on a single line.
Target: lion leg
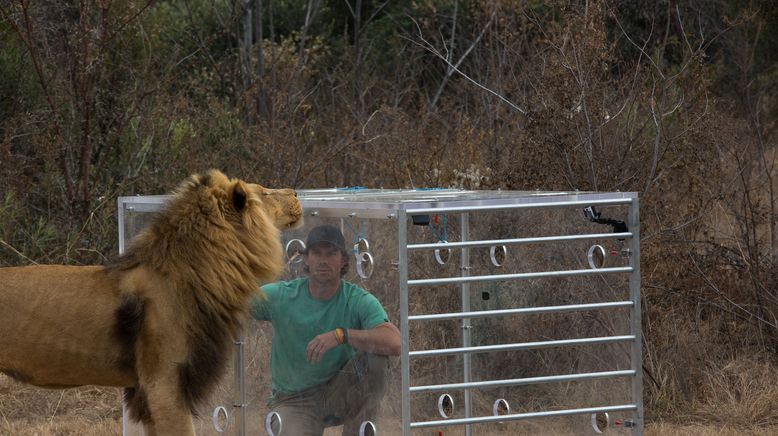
[(148, 429), (169, 414)]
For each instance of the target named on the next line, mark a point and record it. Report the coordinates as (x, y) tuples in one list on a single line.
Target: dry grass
[(736, 398), (670, 429), (80, 427), (742, 393), (63, 427), (26, 410)]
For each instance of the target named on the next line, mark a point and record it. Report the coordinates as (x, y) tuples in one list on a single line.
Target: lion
[(160, 319)]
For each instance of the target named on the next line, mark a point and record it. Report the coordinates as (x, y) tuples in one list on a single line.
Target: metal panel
[(518, 416), (405, 367), (522, 346), (521, 276), (524, 381), (466, 327), (635, 317), (539, 205), (518, 241), (521, 311)]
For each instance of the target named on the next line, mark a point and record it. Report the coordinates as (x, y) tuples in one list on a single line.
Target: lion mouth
[(295, 223)]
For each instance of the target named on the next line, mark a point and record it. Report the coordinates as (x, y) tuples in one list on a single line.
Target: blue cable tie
[(351, 188)]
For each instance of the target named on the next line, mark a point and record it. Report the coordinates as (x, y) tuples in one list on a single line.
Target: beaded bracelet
[(340, 335)]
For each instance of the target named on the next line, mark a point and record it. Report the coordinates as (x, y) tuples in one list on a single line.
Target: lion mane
[(159, 320)]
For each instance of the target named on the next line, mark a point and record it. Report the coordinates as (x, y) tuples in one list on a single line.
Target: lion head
[(281, 205), (213, 217)]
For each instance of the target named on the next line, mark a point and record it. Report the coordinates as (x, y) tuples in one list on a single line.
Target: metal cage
[(408, 239)]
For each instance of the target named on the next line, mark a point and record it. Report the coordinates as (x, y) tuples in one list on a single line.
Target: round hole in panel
[(600, 422), (446, 406), (367, 429), (596, 256), (501, 407), (219, 419), (364, 265), (361, 246), (442, 254), (294, 251), (498, 254), (273, 424)]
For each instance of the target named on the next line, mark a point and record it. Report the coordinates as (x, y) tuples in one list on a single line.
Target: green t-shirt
[(297, 318)]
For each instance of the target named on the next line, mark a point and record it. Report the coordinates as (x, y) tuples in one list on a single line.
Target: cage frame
[(401, 206)]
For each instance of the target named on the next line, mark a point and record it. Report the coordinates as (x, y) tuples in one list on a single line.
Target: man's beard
[(326, 281)]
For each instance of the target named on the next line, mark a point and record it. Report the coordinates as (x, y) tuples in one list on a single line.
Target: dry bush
[(737, 394), (606, 95)]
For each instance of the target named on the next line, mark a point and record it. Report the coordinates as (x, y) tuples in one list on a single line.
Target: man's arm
[(383, 339)]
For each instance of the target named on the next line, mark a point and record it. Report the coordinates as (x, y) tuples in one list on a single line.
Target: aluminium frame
[(381, 204)]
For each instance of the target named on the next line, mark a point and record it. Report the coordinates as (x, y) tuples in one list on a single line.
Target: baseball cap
[(325, 233)]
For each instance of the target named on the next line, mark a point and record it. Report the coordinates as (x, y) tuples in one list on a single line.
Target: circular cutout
[(294, 250), (364, 265), (361, 246), (596, 256), (442, 254), (600, 422), (498, 254), (220, 419), (446, 406), (367, 429), (273, 424), (501, 407)]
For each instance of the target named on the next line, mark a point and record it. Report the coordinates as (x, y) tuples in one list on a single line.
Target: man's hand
[(320, 345)]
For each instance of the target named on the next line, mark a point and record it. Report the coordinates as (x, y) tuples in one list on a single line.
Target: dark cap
[(325, 233)]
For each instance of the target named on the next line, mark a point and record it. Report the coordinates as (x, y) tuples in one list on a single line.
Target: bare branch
[(429, 47)]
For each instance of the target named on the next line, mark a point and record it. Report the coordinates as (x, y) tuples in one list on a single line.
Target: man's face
[(324, 262)]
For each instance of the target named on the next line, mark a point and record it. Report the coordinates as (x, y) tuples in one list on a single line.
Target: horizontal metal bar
[(523, 381), (519, 276), (521, 311), (540, 205), (517, 241), (518, 416), (521, 346)]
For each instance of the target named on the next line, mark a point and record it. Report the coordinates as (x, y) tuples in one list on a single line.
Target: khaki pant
[(348, 399)]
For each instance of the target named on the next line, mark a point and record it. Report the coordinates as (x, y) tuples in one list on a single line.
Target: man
[(331, 340)]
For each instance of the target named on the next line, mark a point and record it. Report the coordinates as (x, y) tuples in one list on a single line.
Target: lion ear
[(239, 196)]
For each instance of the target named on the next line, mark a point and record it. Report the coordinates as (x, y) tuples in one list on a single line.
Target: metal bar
[(521, 346), (517, 241), (120, 217), (520, 276), (125, 419), (522, 311), (635, 318), (405, 368), (466, 327), (518, 416), (523, 381), (240, 382), (607, 202)]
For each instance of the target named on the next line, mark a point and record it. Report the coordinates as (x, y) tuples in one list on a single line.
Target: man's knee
[(376, 373), (377, 364)]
